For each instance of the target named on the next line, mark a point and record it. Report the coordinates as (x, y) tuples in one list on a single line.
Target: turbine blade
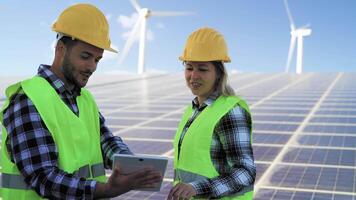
[(292, 26), (290, 53), (135, 4), (170, 13), (130, 39), (305, 26)]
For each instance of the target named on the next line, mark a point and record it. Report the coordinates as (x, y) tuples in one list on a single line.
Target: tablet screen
[(132, 163)]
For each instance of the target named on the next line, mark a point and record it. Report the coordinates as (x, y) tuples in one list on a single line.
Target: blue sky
[(257, 33)]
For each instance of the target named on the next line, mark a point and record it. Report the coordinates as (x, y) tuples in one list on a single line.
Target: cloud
[(160, 25), (128, 23)]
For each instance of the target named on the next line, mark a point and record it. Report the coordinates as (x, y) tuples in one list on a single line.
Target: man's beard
[(68, 70)]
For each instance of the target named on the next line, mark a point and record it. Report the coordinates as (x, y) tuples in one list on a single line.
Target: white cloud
[(128, 22), (160, 25)]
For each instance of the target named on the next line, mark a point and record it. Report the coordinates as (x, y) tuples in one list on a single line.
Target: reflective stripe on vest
[(15, 181)]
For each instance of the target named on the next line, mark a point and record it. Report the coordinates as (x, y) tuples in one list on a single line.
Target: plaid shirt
[(33, 150), (231, 152)]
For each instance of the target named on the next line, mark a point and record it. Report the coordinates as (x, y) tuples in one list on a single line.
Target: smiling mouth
[(195, 85), (86, 75)]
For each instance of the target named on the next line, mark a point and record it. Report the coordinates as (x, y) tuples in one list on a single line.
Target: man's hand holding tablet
[(147, 170)]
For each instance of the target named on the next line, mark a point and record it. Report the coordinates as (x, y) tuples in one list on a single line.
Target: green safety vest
[(194, 161), (77, 138)]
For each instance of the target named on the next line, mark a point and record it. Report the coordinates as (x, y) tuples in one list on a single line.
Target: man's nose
[(92, 66)]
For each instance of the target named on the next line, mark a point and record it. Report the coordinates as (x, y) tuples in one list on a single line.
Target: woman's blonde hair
[(221, 84)]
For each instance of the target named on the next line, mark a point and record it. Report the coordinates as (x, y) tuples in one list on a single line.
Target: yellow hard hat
[(85, 22), (205, 44)]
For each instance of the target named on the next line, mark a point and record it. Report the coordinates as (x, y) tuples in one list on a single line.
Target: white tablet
[(132, 163)]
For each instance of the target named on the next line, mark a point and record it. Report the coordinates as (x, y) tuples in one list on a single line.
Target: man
[(55, 142)]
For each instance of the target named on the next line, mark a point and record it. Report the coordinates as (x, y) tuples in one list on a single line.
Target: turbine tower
[(141, 23), (296, 34)]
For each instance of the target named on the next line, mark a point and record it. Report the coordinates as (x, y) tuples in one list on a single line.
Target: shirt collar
[(45, 72), (208, 101)]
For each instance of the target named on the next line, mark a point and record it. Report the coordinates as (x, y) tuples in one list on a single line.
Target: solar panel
[(304, 128), (270, 138), (274, 127), (332, 141), (351, 120), (148, 133), (343, 157), (330, 128)]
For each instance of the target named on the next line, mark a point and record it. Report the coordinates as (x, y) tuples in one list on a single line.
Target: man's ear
[(60, 49)]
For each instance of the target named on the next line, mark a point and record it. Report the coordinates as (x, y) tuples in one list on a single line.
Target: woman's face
[(200, 78)]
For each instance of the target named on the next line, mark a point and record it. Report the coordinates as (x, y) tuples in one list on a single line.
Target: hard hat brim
[(182, 58), (112, 50)]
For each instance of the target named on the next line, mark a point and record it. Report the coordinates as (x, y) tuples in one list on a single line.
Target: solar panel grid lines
[(145, 127), (143, 97), (109, 80), (279, 91), (329, 123), (279, 132), (299, 194), (279, 157), (254, 82), (158, 99), (129, 86), (172, 83), (178, 110), (146, 139), (327, 147), (278, 108), (326, 134), (337, 109), (280, 122), (303, 165), (150, 120), (318, 164)]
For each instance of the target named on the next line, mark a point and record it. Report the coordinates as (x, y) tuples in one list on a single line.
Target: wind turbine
[(141, 23), (296, 34)]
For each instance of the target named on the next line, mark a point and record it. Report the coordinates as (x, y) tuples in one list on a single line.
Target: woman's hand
[(181, 191)]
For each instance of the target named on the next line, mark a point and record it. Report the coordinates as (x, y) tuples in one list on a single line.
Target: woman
[(213, 151)]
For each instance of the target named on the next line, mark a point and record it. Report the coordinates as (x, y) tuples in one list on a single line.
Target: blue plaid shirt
[(231, 152), (33, 150)]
